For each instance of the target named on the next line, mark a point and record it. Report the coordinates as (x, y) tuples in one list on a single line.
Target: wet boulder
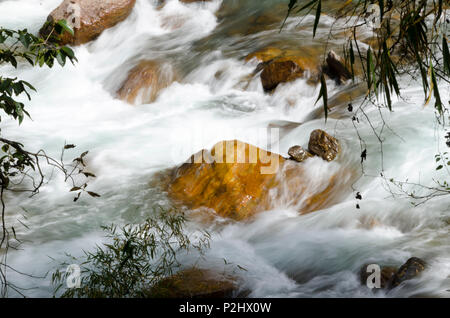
[(391, 277), (323, 145), (386, 275), (145, 81), (282, 66), (336, 69), (88, 17), (412, 268), (237, 180), (298, 154), (194, 283), (233, 179), (275, 73)]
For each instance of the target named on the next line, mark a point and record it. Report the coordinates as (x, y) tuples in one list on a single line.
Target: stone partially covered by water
[(89, 18), (238, 180), (391, 277), (412, 268), (277, 72), (236, 187), (195, 283), (145, 82), (282, 66), (386, 275)]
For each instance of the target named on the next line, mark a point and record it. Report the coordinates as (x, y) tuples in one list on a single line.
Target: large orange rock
[(145, 82), (238, 180), (95, 16), (234, 185)]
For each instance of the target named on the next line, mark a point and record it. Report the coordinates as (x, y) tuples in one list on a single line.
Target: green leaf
[(352, 61), (66, 27), (324, 94), (446, 55), (61, 58), (68, 51), (24, 40), (437, 96), (291, 5), (316, 20)]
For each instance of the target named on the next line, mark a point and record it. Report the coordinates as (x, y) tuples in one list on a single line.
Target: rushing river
[(284, 254)]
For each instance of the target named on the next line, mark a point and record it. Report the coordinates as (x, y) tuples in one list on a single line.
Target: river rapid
[(284, 254)]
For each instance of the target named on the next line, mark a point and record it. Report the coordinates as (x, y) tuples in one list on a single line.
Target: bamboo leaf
[(291, 5), (324, 95), (446, 55), (316, 20)]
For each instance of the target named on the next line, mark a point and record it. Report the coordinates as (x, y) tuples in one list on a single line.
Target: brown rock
[(336, 69), (281, 66), (265, 55), (234, 187), (194, 283), (249, 182), (387, 275), (412, 268), (96, 16), (298, 154), (391, 277), (323, 145), (145, 82), (275, 73)]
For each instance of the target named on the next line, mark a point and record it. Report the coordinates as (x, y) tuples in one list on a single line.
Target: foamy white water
[(284, 254)]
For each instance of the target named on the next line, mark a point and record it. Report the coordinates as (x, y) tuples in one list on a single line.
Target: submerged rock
[(392, 277), (146, 81), (298, 154), (95, 16), (265, 55), (412, 268), (323, 145), (238, 180), (194, 283), (386, 277)]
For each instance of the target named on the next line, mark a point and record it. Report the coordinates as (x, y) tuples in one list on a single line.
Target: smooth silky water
[(285, 254)]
